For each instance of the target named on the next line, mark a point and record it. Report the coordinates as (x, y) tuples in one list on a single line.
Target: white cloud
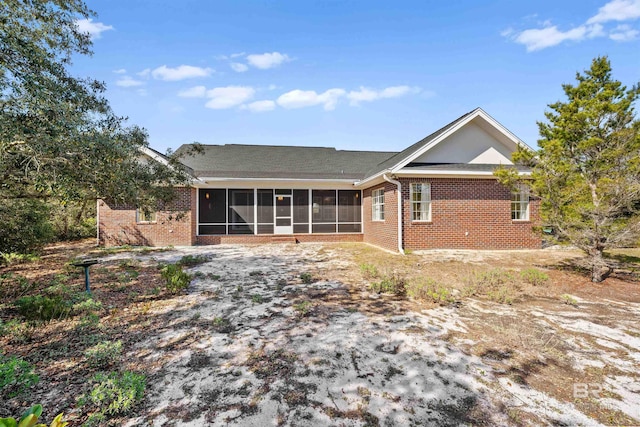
[(541, 38), (95, 29), (617, 10), (623, 33), (260, 106), (127, 81), (267, 60), (181, 72), (120, 71), (367, 95), (193, 92), (308, 98), (145, 73), (237, 55), (228, 97), (142, 92), (239, 67)]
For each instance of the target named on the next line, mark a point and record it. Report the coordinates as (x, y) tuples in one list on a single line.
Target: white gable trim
[(478, 112), (155, 156)]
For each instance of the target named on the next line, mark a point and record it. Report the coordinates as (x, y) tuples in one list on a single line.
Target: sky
[(355, 75)]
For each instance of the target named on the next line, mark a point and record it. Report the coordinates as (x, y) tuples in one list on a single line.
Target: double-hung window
[(377, 205), (145, 216), (520, 204), (421, 202)]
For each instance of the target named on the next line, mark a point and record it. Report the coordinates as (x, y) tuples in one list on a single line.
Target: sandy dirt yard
[(252, 344), (295, 335)]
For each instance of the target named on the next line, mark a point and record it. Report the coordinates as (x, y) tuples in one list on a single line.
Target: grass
[(390, 284), (112, 394), (16, 376), (429, 290)]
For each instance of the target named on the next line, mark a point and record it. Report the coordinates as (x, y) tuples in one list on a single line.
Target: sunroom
[(278, 211)]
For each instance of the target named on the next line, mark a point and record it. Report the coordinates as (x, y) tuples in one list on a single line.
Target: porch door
[(283, 209)]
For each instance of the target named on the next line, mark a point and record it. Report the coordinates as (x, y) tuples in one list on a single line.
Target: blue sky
[(361, 75)]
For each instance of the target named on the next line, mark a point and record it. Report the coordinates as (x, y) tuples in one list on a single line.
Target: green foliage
[(16, 376), (176, 280), (25, 225), (303, 308), (104, 354), (587, 171), (59, 138), (569, 300), (497, 284), (42, 307), (256, 298), (114, 394), (30, 418), (534, 276), (11, 258), (72, 220), (18, 332), (390, 284), (369, 271), (191, 260), (306, 278), (429, 290)]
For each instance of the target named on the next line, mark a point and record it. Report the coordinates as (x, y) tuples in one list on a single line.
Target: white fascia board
[(479, 112), (343, 184), (434, 173), (155, 156), (373, 179)]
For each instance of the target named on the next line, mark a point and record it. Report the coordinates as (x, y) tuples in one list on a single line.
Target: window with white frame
[(421, 201), (377, 205), (145, 216), (520, 204)]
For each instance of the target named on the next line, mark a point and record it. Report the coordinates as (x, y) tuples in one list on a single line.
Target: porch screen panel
[(349, 211), (212, 204), (300, 211), (265, 211), (324, 211), (241, 211)]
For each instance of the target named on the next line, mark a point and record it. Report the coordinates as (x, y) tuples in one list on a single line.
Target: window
[(324, 211), (377, 205), (265, 211), (520, 204), (300, 211), (240, 212), (421, 202), (144, 216)]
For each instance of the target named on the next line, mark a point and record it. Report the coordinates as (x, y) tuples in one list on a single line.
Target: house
[(438, 193)]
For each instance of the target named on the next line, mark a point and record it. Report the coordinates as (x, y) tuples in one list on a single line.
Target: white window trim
[(411, 192), (377, 195), (524, 193), (139, 221)]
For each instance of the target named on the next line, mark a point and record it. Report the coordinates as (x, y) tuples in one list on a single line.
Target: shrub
[(25, 225), (429, 290), (43, 307), (176, 279), (390, 284), (16, 376), (306, 278), (104, 354), (114, 394), (497, 284), (568, 299), (17, 258), (534, 276), (191, 260), (303, 308), (30, 418), (369, 271), (19, 332), (257, 298)]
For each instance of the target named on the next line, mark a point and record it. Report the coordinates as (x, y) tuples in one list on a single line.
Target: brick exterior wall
[(479, 207), (381, 233), (175, 226), (468, 214)]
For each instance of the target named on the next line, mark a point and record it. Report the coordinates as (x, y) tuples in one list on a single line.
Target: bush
[(104, 354), (534, 276), (303, 308), (429, 290), (30, 418), (25, 225), (306, 278), (41, 307), (19, 332), (369, 271), (390, 284), (73, 220), (16, 376), (498, 285), (114, 394), (191, 260), (176, 279)]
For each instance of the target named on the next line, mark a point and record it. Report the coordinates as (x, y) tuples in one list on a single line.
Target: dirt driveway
[(290, 335)]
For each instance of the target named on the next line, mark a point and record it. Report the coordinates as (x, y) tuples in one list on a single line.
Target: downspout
[(399, 198)]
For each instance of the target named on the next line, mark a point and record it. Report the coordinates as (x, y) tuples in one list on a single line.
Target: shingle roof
[(398, 157), (269, 161)]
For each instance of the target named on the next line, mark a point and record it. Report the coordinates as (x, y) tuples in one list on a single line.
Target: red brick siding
[(479, 207), (174, 226), (381, 233)]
